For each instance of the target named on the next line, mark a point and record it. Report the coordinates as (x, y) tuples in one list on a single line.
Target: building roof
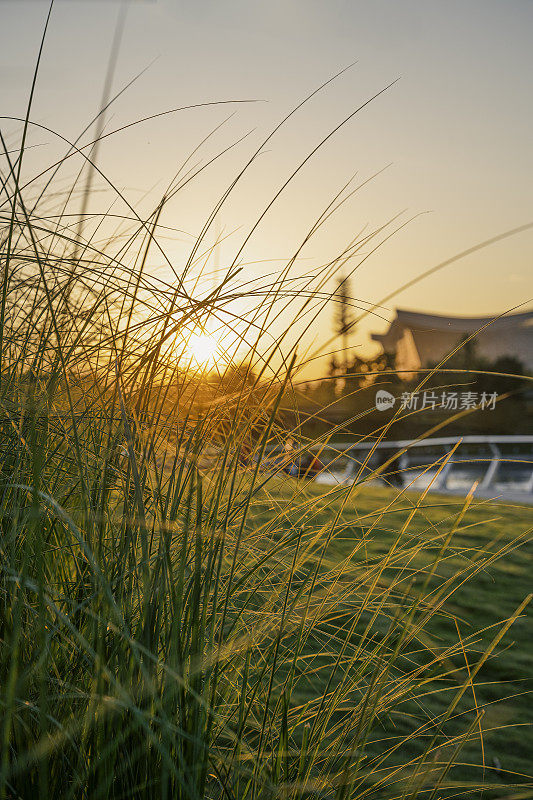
[(416, 320), (421, 340)]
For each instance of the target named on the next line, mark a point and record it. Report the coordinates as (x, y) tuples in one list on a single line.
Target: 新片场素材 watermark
[(432, 401)]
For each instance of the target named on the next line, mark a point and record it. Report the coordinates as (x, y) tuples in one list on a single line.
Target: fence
[(499, 464)]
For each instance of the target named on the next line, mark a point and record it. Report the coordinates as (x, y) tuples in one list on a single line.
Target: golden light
[(202, 349)]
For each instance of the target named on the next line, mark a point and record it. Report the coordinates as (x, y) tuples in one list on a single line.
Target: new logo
[(384, 400)]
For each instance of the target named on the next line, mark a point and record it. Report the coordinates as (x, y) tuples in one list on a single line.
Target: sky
[(450, 139)]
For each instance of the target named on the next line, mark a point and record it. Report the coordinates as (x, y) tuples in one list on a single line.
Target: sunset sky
[(454, 132)]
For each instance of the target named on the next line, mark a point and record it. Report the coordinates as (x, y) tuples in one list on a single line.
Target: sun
[(202, 349)]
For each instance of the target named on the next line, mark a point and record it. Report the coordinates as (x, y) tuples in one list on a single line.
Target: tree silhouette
[(343, 320)]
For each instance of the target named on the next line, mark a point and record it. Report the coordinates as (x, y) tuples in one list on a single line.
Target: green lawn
[(503, 684)]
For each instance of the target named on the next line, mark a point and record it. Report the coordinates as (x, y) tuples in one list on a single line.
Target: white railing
[(499, 464)]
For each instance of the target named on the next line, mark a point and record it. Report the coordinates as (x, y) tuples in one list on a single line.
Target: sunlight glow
[(202, 349)]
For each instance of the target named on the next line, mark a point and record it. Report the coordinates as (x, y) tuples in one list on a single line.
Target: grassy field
[(177, 622), (502, 751)]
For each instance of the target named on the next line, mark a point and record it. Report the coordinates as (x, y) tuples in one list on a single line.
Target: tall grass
[(175, 620)]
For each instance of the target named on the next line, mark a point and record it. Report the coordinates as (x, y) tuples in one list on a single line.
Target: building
[(418, 340)]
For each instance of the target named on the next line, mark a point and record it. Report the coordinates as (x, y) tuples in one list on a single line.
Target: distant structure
[(418, 340), (343, 319)]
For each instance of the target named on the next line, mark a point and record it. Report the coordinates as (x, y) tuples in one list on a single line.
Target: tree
[(510, 381), (343, 320)]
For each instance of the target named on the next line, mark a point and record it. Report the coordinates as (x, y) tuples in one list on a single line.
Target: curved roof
[(415, 320)]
